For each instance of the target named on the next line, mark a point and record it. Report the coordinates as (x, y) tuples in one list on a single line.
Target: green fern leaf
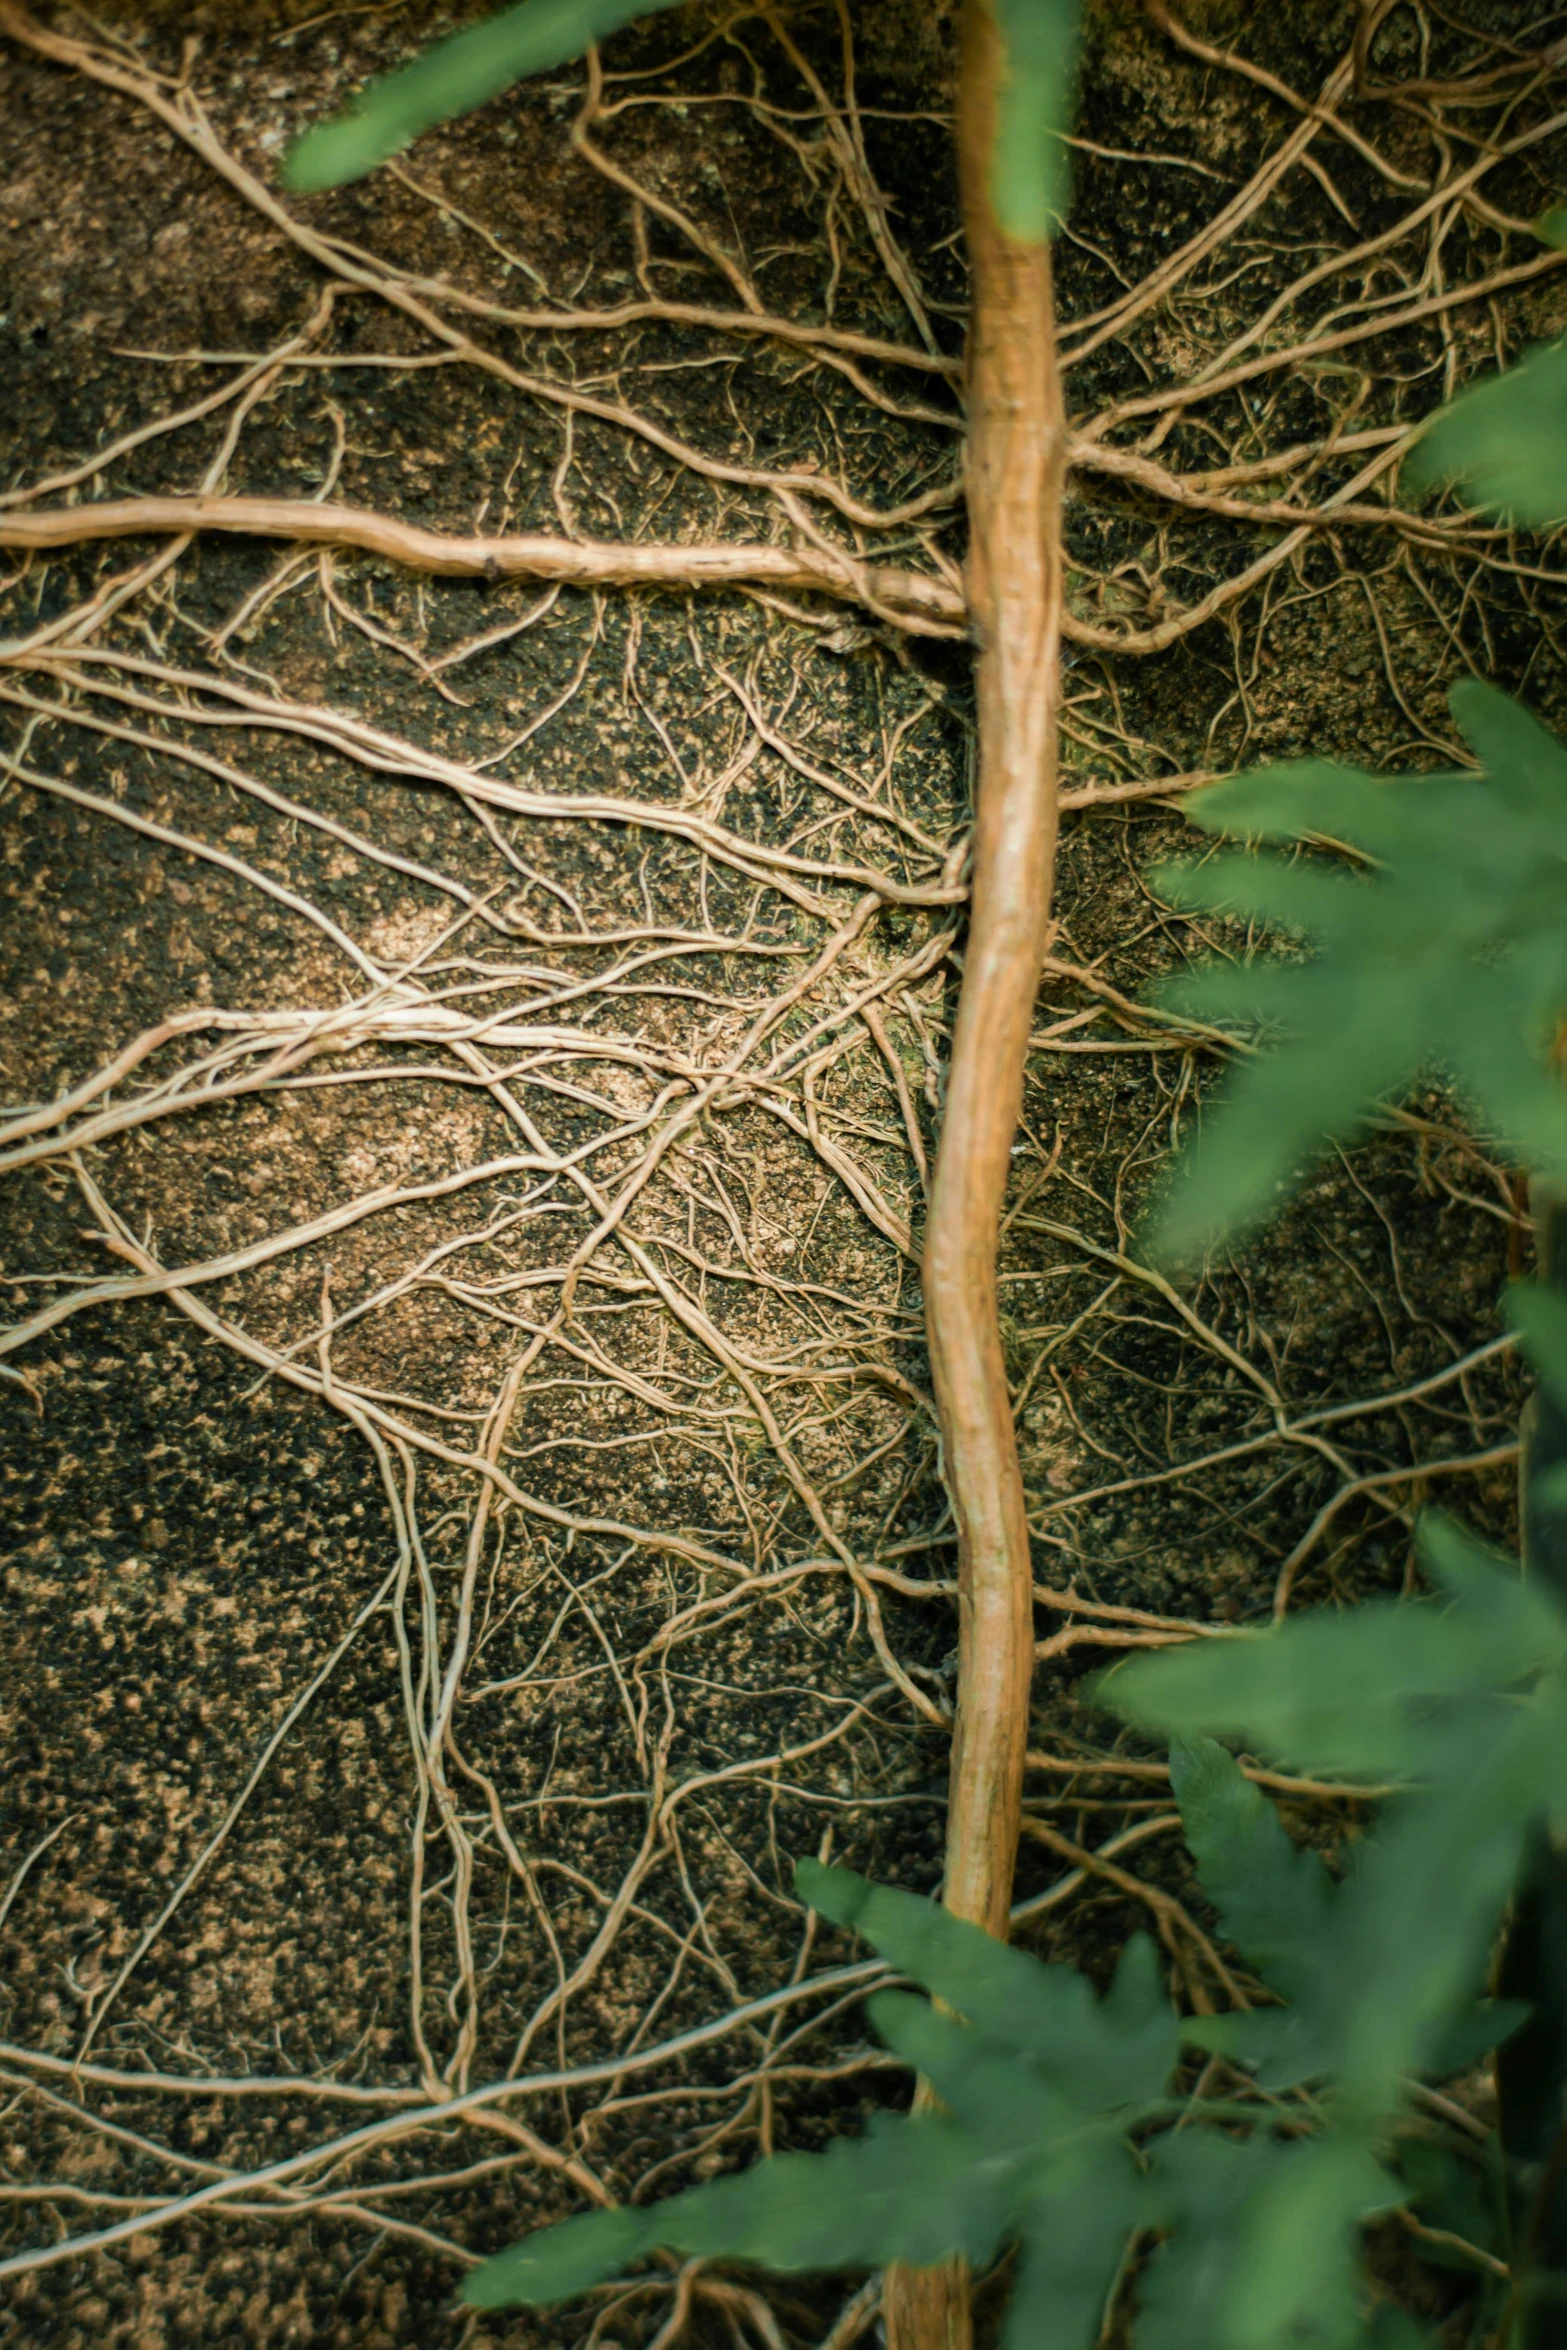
[(1286, 1916), (451, 79), (1274, 1903), (1447, 951), (1277, 1110), (1097, 2054), (1075, 2236), (1362, 1691), (555, 2264), (993, 2095), (1467, 1698), (1526, 764), (1316, 799), (1263, 2251), (1420, 1911), (1507, 439), (908, 2190), (1326, 907), (1048, 2090), (1041, 2084)]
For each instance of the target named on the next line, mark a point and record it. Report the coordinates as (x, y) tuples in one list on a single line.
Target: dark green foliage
[(452, 79), (1507, 439), (1100, 2054), (1262, 2253), (1039, 2081), (1374, 1689), (1276, 1905), (1462, 2198), (1445, 951), (1539, 1315), (1056, 2133), (1463, 1697)]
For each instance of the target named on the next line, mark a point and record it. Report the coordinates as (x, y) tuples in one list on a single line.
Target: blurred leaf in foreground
[(1031, 169), (1446, 951), (1464, 1697), (1506, 438), (450, 79)]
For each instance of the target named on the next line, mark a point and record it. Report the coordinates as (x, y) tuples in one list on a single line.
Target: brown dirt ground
[(187, 1542)]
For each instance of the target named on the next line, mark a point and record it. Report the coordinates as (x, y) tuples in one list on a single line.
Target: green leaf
[(1037, 2085), (1281, 2047), (1522, 1625), (1497, 1046), (1447, 951), (1316, 798), (909, 2190), (1260, 994), (1075, 2236), (1262, 2251), (1382, 1970), (1038, 2115), (1262, 2254), (1539, 1315), (1422, 1905), (1003, 1992), (1275, 1903), (1456, 2192), (1362, 1690), (1506, 440), (450, 79), (1295, 2278), (991, 2094), (1030, 176), (1045, 2083), (1487, 2025), (1304, 1934), (1303, 899), (556, 2264), (1278, 1111), (1199, 2186), (1096, 2054), (1526, 764), (1126, 2045)]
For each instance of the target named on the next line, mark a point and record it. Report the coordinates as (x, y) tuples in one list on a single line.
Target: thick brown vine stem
[(1015, 460), (1015, 465)]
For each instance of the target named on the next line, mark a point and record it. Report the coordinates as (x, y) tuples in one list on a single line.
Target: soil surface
[(469, 1506)]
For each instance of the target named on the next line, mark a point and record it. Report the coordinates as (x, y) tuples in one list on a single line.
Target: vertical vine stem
[(1015, 464), (1016, 461)]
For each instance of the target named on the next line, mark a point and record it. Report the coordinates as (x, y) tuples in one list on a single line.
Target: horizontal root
[(914, 600)]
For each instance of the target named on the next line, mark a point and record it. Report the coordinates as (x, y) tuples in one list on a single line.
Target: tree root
[(912, 600)]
